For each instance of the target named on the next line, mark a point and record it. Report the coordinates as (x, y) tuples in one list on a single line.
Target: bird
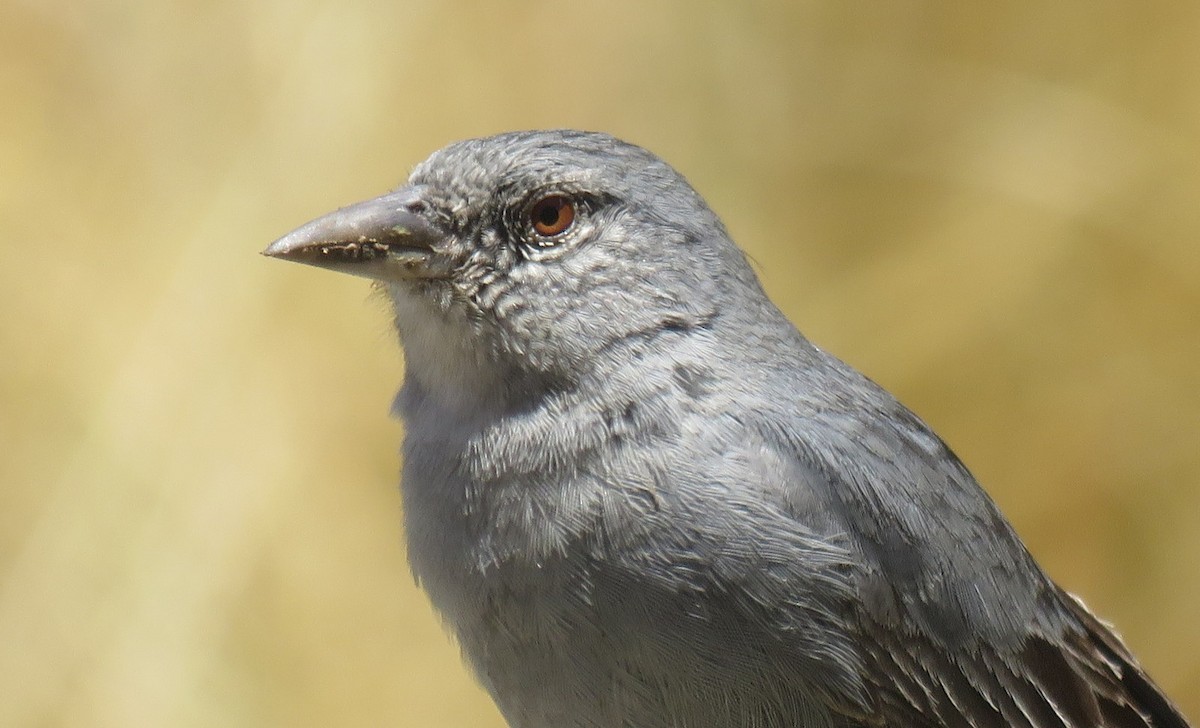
[(639, 497)]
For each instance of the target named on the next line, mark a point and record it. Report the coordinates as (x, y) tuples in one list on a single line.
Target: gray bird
[(642, 499)]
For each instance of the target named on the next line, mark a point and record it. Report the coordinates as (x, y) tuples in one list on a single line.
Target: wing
[(1080, 677), (958, 626)]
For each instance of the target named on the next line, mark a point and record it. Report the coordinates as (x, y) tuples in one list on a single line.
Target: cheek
[(543, 314), (538, 294), (600, 264), (565, 289)]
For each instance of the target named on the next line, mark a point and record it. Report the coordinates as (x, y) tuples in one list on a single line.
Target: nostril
[(416, 206)]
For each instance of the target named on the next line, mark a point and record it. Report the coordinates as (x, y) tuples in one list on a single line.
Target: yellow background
[(990, 208)]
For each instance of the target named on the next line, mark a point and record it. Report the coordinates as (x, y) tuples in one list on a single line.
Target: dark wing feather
[(1081, 678), (1136, 691), (958, 626)]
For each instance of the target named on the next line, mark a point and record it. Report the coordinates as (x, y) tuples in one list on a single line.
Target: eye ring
[(552, 215)]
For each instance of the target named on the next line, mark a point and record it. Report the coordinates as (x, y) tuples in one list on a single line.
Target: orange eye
[(552, 215)]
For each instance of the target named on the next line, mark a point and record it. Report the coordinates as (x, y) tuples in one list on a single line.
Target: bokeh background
[(992, 209)]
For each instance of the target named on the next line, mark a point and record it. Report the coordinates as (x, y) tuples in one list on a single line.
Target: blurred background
[(993, 210)]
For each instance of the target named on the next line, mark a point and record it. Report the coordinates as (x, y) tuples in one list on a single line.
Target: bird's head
[(527, 256)]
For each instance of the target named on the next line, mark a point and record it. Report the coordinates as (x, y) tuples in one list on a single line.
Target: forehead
[(512, 165)]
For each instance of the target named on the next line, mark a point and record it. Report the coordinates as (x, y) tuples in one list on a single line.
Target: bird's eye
[(552, 215)]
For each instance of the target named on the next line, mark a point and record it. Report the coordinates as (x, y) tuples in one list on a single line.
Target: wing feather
[(957, 624)]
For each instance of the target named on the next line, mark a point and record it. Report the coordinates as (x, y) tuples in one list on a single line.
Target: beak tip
[(282, 247)]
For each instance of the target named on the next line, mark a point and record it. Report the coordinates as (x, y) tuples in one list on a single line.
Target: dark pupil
[(548, 213)]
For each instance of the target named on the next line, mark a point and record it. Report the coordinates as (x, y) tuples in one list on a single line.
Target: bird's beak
[(387, 238)]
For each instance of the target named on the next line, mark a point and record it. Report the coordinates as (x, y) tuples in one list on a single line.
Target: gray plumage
[(642, 499)]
